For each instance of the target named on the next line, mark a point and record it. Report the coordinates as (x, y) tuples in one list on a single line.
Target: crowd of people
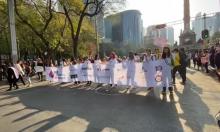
[(177, 60), (202, 59), (21, 70)]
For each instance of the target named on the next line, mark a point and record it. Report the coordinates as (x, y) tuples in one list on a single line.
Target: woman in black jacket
[(13, 77)]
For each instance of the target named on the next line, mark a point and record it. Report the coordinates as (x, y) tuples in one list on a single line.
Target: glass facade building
[(125, 27)]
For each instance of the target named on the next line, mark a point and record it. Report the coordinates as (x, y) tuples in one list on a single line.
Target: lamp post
[(14, 50)]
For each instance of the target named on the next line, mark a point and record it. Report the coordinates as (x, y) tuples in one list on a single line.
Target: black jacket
[(217, 60), (183, 59)]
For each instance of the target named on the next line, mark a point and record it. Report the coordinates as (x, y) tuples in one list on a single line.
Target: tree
[(4, 34), (45, 30), (84, 9), (216, 37)]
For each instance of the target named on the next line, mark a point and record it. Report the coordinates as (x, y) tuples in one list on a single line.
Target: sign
[(39, 69), (140, 75)]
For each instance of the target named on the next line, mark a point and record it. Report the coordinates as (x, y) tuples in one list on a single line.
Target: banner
[(102, 73), (147, 74), (39, 69)]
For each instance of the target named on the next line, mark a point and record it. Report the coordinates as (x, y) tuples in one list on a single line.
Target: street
[(62, 107)]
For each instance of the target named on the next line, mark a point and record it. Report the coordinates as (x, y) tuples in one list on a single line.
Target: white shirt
[(20, 70)]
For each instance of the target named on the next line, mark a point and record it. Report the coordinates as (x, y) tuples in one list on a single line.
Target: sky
[(163, 11)]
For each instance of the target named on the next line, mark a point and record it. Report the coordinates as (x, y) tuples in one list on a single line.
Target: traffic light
[(205, 34)]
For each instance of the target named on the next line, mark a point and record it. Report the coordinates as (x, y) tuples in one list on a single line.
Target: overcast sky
[(162, 11)]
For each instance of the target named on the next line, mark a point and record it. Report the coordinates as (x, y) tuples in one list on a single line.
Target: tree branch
[(50, 16), (36, 7), (30, 26)]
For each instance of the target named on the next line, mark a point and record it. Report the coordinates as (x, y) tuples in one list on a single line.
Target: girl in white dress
[(148, 67), (112, 62), (96, 66), (130, 65), (166, 71)]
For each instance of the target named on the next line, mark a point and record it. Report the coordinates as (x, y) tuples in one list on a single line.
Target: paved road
[(62, 107)]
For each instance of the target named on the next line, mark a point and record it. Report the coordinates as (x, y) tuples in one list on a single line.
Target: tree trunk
[(75, 47), (76, 38)]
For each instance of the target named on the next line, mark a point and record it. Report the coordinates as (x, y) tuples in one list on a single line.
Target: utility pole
[(97, 36), (14, 50), (204, 18)]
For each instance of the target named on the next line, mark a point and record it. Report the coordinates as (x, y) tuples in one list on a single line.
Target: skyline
[(168, 13)]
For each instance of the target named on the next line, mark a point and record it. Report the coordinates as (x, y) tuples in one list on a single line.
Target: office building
[(125, 28)]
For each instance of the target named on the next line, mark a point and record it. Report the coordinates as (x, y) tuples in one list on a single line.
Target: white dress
[(149, 71), (166, 73), (130, 65), (112, 64), (96, 66)]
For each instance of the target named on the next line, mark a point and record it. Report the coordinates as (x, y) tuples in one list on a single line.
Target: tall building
[(212, 24), (125, 28)]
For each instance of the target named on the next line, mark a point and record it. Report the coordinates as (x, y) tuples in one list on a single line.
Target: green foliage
[(216, 37), (4, 35), (57, 33), (41, 29)]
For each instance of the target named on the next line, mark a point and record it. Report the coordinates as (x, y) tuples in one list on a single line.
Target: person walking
[(28, 71), (212, 57), (167, 70), (40, 73), (205, 60), (19, 68), (183, 65), (176, 64), (198, 60), (13, 77), (194, 58), (148, 66)]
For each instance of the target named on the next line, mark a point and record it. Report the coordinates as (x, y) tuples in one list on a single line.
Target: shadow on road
[(122, 112), (195, 111)]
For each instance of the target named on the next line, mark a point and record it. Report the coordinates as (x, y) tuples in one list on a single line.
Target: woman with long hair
[(166, 71), (148, 66), (130, 64)]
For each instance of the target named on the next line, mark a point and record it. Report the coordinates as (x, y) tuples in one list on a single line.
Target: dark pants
[(170, 89), (175, 69), (183, 74), (40, 76), (22, 79), (12, 79), (206, 65)]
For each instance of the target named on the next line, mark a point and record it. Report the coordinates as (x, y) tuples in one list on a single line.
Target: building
[(125, 28), (212, 24), (167, 34)]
